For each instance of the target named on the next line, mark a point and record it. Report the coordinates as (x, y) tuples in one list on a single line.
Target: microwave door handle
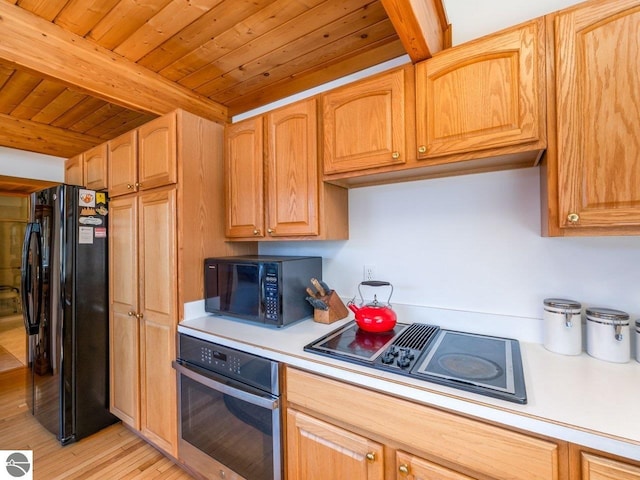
[(260, 401)]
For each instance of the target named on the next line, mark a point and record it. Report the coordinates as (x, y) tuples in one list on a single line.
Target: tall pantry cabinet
[(160, 235)]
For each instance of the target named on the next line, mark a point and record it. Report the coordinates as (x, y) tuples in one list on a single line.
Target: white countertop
[(574, 398)]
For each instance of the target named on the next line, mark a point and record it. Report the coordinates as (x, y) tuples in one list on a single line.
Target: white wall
[(473, 243), (476, 18), (19, 163)]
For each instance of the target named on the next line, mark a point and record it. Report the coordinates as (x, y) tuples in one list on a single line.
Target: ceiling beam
[(422, 26), (32, 43), (36, 137)]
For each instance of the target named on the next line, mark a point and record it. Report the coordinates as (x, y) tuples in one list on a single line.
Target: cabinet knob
[(256, 232), (131, 314), (395, 155), (573, 217), (422, 149), (404, 469), (139, 316), (371, 456), (129, 186), (138, 185), (269, 231)]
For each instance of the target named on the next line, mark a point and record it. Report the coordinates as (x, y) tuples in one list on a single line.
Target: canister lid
[(562, 303), (607, 314)]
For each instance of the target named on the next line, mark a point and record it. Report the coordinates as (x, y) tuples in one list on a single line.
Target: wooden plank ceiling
[(75, 73)]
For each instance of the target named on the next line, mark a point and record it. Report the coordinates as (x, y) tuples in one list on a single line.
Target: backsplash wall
[(473, 243)]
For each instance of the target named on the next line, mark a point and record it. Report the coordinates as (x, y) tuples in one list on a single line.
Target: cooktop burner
[(481, 364)]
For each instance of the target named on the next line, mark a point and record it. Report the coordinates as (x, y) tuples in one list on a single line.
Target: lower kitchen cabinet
[(600, 468), (144, 314), (589, 464), (412, 467), (319, 450), (329, 421)]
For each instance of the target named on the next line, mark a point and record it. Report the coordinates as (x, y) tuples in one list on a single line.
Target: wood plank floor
[(113, 453), (13, 337)]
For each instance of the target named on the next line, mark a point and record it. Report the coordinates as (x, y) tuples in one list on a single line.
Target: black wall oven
[(229, 412)]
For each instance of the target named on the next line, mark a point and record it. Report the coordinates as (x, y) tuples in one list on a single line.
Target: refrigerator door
[(84, 331)]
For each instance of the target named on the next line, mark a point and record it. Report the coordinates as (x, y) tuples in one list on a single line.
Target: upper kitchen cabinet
[(88, 169), (274, 188), (484, 99), (369, 124), (73, 171), (591, 175), (145, 158)]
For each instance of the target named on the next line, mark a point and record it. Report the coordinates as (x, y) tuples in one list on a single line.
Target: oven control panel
[(235, 364)]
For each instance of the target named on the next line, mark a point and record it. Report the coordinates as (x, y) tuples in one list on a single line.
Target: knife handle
[(316, 284)]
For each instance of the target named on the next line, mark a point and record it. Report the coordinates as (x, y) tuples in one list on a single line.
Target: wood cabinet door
[(123, 164), (244, 179), (598, 114), (73, 170), (364, 124), (599, 468), (157, 152), (292, 194), (124, 327), (158, 310), (317, 450), (95, 168), (410, 467), (485, 94)]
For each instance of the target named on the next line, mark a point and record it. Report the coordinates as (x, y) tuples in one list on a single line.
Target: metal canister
[(562, 326), (608, 335)]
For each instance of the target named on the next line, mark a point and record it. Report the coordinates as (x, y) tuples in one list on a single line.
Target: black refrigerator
[(66, 310)]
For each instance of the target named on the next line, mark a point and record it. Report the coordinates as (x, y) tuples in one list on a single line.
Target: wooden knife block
[(337, 310)]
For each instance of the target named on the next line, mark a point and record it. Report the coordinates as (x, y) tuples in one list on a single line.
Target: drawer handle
[(422, 149), (371, 456), (404, 469)]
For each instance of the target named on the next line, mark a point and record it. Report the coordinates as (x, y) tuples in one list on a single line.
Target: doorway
[(13, 221)]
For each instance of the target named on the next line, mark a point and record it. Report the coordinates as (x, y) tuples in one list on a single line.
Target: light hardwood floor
[(113, 453), (13, 337)]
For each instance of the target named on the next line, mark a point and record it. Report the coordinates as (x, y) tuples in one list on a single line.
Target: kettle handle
[(375, 283)]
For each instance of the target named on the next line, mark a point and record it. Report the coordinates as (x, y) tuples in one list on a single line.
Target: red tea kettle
[(374, 317)]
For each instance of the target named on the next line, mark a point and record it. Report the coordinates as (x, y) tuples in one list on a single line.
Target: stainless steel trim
[(260, 401)]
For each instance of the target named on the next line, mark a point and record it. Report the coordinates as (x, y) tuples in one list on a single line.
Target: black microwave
[(260, 288)]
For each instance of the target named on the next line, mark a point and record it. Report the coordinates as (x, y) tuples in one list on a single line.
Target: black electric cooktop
[(476, 363)]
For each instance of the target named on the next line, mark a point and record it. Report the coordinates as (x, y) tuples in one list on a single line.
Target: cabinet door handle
[(422, 149), (269, 231), (129, 186), (139, 316), (573, 217), (138, 185), (256, 232), (404, 469), (395, 155), (371, 456), (131, 314)]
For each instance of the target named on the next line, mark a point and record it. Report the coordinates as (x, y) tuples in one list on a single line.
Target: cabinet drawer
[(474, 445)]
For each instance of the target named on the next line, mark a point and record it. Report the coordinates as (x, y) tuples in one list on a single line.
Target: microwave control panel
[(272, 293)]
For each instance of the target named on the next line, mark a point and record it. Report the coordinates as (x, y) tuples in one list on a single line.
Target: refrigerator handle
[(32, 325)]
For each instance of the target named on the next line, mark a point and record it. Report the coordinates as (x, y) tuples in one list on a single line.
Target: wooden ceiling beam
[(30, 42), (37, 137), (422, 26)]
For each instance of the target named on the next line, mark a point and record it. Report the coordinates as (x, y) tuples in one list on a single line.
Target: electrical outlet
[(369, 272)]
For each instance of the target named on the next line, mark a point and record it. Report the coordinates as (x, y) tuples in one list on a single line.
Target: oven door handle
[(266, 401)]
